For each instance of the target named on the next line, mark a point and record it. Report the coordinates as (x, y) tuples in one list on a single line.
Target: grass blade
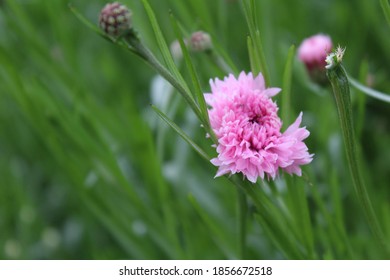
[(258, 50), (369, 91), (275, 223), (300, 212), (386, 9), (242, 215), (89, 24), (194, 76), (163, 45), (219, 235), (181, 133), (286, 93), (253, 58)]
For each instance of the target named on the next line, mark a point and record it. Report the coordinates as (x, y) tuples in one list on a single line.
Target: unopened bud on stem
[(312, 52), (200, 41), (115, 19), (335, 58)]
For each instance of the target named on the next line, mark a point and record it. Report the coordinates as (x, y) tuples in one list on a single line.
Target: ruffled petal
[(244, 119)]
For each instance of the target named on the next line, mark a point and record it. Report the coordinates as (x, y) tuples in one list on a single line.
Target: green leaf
[(86, 21), (222, 60), (286, 93), (336, 233), (163, 45), (242, 217), (369, 91), (194, 76), (89, 24), (361, 99), (300, 212), (281, 240), (386, 9), (257, 52), (253, 58), (219, 235), (173, 75), (181, 133), (274, 221), (260, 52)]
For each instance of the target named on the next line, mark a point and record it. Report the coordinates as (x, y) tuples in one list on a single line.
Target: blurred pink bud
[(200, 41), (313, 51), (115, 18)]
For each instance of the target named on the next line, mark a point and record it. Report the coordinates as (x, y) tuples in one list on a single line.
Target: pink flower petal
[(244, 119)]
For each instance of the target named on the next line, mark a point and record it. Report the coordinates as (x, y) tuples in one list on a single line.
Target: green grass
[(89, 171)]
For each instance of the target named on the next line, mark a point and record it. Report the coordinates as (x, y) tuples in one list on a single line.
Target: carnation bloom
[(245, 121), (313, 51)]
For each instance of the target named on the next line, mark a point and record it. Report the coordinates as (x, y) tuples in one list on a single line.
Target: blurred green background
[(88, 171)]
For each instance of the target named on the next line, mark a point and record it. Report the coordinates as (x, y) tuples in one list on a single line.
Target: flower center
[(260, 120)]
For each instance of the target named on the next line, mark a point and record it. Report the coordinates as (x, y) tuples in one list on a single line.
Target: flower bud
[(115, 18), (335, 58), (200, 41), (313, 52)]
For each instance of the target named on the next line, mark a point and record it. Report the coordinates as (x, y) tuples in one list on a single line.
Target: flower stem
[(340, 86), (220, 62), (242, 211)]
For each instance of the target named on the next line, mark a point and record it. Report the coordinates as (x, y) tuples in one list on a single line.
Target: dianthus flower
[(245, 121)]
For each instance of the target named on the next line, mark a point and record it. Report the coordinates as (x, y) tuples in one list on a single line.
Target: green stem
[(242, 211), (220, 62), (340, 86), (276, 227)]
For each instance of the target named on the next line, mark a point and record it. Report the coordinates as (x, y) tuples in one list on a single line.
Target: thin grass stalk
[(242, 214), (286, 94), (386, 9), (257, 52)]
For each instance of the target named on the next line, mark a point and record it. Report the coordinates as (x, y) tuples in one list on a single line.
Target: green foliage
[(286, 94), (255, 46), (386, 9), (90, 171)]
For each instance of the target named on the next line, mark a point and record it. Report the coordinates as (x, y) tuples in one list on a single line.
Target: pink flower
[(245, 121), (313, 51)]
